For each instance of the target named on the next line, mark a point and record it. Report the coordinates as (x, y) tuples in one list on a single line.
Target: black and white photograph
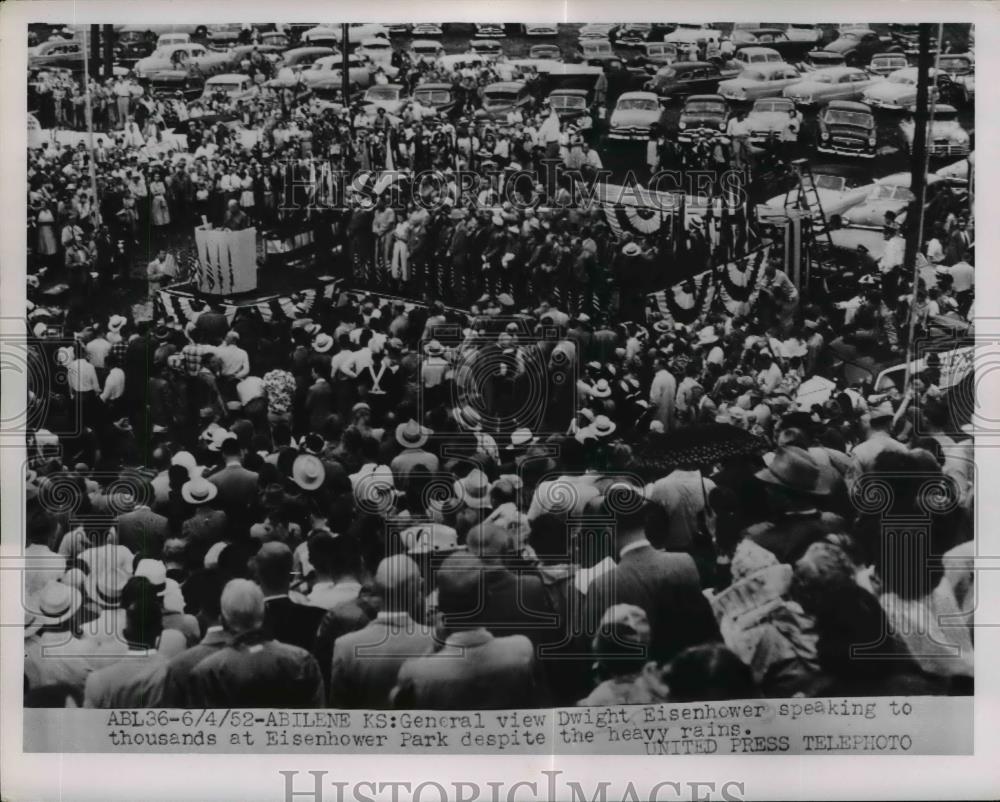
[(402, 373)]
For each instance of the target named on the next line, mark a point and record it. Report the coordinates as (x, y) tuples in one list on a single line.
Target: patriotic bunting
[(740, 282), (686, 302), (178, 305)]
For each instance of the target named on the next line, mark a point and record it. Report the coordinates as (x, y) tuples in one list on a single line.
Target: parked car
[(899, 90), (375, 49), (66, 53), (301, 58), (541, 29), (632, 33), (427, 29), (330, 35), (503, 96), (591, 50), (697, 35), (490, 30), (830, 83), (320, 36), (545, 52), (773, 38), (488, 48), (761, 80), (596, 30), (703, 114), (165, 39), (655, 54), (769, 117), (130, 46), (961, 69), (634, 114), (234, 86), (945, 134), (399, 28), (748, 56), (324, 76), (848, 129), (684, 78), (572, 106), (803, 32), (853, 48), (425, 50), (891, 193), (390, 97), (170, 57), (884, 64), (437, 96), (957, 173), (224, 35), (836, 194)]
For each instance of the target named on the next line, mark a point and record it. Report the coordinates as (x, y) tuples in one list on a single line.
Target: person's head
[(272, 567), (460, 591), (242, 606), (334, 555), (490, 543), (398, 582), (708, 673), (41, 527), (231, 449), (143, 613), (621, 645), (627, 506), (818, 573)]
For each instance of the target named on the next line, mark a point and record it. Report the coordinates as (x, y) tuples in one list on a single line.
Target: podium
[(227, 260)]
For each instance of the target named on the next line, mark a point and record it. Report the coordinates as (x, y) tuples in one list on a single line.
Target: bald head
[(273, 565), (489, 542), (242, 606), (399, 583)]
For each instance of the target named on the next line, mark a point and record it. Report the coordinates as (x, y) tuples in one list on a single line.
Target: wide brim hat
[(601, 389), (795, 469), (411, 434), (198, 490), (54, 604), (473, 490), (322, 343), (707, 336), (115, 322), (631, 249), (308, 472), (105, 586), (603, 426), (433, 348)]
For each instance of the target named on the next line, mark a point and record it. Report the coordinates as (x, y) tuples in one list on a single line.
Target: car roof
[(785, 101), (943, 108), (715, 98), (506, 86), (763, 30), (375, 40), (759, 49), (228, 78), (400, 87), (425, 43), (849, 105), (434, 85), (576, 92), (325, 51), (639, 96)]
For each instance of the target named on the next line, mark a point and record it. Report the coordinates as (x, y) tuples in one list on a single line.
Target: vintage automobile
[(175, 58), (961, 69), (830, 83), (488, 48), (427, 29), (224, 35), (136, 43), (899, 90), (391, 97), (275, 39), (853, 48), (803, 32), (233, 86), (632, 33), (702, 114), (654, 54), (165, 39), (596, 30), (490, 30), (836, 195), (437, 96), (504, 96), (891, 193), (591, 50), (320, 36), (634, 114), (847, 128), (884, 64), (299, 59), (324, 77), (945, 134), (357, 32), (684, 78), (425, 50), (774, 38), (375, 49), (66, 53), (545, 52), (768, 117), (541, 29), (748, 56), (572, 106), (761, 80), (957, 173)]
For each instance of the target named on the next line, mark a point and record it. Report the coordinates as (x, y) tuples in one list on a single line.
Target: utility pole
[(345, 75), (95, 49), (109, 51)]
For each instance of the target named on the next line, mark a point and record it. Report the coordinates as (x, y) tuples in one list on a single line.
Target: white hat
[(185, 459), (603, 426), (198, 490), (115, 322), (308, 471), (601, 389), (707, 336), (322, 343)]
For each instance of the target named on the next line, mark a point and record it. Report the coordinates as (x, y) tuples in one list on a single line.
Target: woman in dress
[(160, 211), (48, 245), (247, 200)]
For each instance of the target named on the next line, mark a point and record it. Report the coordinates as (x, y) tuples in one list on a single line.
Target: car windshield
[(903, 78), (382, 93), (889, 192), (499, 99), (827, 181), (639, 103), (227, 86), (278, 39), (568, 101), (701, 106), (955, 65), (596, 47), (849, 118), (432, 96), (773, 105), (425, 49)]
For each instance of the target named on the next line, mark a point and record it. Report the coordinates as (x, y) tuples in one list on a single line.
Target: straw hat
[(308, 471), (411, 434), (198, 490)]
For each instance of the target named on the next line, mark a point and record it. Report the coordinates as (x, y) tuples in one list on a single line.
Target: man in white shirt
[(97, 349), (114, 384), (235, 362), (81, 377)]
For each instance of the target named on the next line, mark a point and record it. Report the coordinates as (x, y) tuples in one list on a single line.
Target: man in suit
[(178, 677), (959, 243), (665, 585), (137, 679), (238, 490), (473, 670), (366, 663), (286, 620), (254, 670), (141, 530)]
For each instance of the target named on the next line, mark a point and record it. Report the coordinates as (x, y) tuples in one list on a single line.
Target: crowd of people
[(524, 490)]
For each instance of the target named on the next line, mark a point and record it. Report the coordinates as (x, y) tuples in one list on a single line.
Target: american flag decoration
[(687, 301)]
